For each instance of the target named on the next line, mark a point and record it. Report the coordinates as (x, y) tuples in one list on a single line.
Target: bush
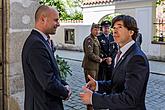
[(63, 67)]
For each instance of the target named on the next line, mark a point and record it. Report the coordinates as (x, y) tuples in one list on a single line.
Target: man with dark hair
[(91, 58), (108, 51), (44, 88), (130, 76)]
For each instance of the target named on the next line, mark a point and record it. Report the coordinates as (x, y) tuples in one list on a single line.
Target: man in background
[(91, 58), (108, 51)]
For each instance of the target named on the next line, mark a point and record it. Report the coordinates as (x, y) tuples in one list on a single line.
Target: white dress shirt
[(124, 49), (43, 35)]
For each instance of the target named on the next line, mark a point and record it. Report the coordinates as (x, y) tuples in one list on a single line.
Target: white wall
[(145, 24), (94, 14), (81, 31)]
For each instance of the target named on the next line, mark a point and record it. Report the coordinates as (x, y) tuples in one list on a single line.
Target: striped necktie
[(49, 43), (118, 56)]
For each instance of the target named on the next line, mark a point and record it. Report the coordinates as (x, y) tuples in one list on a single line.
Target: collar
[(94, 37), (43, 35), (106, 35), (126, 47)]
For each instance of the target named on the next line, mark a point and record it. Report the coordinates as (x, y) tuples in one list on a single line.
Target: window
[(69, 36), (159, 36), (160, 31)]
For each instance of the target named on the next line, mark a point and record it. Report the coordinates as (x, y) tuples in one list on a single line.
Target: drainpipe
[(4, 26)]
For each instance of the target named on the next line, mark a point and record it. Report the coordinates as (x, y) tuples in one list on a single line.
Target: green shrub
[(64, 67)]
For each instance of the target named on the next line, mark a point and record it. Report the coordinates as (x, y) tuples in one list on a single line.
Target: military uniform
[(108, 49), (91, 58)]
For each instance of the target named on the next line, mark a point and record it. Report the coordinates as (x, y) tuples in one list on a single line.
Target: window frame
[(69, 35)]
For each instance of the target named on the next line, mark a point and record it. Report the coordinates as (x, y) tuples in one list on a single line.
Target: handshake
[(86, 96)]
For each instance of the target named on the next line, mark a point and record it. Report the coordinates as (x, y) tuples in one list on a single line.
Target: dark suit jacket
[(108, 48), (44, 89), (128, 85)]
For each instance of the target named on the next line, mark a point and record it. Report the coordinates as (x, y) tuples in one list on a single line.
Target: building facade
[(17, 20)]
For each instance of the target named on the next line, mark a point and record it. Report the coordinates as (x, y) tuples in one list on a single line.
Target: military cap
[(106, 23), (94, 26)]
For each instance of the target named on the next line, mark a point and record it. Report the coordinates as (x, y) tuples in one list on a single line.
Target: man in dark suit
[(44, 88), (130, 75), (108, 51)]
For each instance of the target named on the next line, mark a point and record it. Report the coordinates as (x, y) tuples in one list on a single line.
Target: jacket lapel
[(122, 59), (48, 48)]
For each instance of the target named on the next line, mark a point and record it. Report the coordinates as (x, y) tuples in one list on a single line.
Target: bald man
[(44, 89)]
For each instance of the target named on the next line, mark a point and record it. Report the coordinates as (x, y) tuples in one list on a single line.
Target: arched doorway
[(108, 17)]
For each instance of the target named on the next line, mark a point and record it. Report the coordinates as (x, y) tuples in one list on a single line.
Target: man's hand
[(86, 97), (91, 84), (70, 91), (109, 60)]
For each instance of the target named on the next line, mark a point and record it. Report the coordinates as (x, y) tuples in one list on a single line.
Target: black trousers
[(105, 72)]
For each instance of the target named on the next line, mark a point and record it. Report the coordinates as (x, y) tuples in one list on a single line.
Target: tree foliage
[(67, 8), (158, 2)]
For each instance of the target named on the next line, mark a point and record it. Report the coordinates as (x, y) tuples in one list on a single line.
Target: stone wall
[(21, 23)]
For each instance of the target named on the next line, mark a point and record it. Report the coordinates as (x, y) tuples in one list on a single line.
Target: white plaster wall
[(94, 14), (81, 31), (145, 24)]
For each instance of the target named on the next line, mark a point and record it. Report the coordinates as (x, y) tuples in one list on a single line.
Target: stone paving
[(76, 82), (155, 98)]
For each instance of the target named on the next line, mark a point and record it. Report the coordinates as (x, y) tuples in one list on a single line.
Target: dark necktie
[(118, 56), (51, 45)]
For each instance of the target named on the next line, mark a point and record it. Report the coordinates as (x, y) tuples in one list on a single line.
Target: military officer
[(91, 58), (108, 51)]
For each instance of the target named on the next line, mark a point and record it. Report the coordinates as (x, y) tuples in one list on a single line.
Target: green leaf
[(61, 7), (63, 67)]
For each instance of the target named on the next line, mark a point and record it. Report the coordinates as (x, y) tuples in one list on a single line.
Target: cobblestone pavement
[(155, 98), (76, 82)]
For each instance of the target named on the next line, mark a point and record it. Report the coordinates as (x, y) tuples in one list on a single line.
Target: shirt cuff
[(91, 99), (97, 88)]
